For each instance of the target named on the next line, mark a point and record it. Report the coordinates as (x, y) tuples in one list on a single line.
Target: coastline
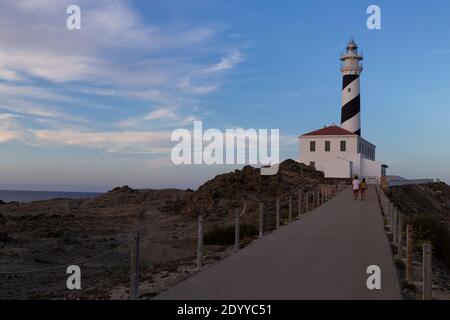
[(27, 196)]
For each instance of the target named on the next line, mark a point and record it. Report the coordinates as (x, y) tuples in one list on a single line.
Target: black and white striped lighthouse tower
[(351, 100)]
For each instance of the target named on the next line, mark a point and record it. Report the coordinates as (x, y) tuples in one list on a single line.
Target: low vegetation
[(224, 235), (430, 229), (427, 207)]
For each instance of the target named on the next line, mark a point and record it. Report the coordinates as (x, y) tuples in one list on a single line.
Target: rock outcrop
[(219, 196)]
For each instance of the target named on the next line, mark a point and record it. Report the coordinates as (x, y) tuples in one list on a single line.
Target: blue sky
[(91, 109)]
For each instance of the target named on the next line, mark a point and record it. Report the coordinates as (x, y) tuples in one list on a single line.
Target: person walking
[(363, 188), (356, 185)]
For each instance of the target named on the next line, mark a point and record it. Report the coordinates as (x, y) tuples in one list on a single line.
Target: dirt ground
[(58, 232), (36, 240)]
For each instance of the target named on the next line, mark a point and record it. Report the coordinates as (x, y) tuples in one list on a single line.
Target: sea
[(30, 196)]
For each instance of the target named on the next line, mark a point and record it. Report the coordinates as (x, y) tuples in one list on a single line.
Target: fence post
[(307, 202), (395, 228), (290, 209), (427, 271), (134, 267), (278, 214), (386, 207), (299, 204), (261, 220), (237, 229), (400, 237), (388, 213), (317, 197), (409, 252), (392, 216), (200, 237)]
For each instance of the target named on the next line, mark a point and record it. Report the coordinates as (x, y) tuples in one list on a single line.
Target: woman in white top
[(356, 185)]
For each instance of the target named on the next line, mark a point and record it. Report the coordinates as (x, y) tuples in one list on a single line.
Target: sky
[(91, 109)]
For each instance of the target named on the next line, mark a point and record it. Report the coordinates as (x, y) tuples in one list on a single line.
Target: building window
[(343, 145), (312, 146), (349, 89), (312, 164), (327, 146)]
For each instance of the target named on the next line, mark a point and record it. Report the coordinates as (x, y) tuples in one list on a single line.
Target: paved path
[(322, 256)]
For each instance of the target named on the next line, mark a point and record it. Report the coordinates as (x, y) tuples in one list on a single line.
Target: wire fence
[(267, 216), (119, 266), (49, 283), (65, 266), (401, 236)]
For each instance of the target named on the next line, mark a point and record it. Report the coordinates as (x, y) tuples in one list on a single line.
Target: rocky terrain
[(431, 199), (57, 232), (219, 197), (427, 207)]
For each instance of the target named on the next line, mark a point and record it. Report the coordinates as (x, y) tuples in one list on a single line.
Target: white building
[(341, 152)]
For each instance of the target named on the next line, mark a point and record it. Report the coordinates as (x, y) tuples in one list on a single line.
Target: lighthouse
[(351, 98), (341, 151)]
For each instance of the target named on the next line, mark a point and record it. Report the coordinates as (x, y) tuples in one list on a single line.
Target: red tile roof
[(331, 131)]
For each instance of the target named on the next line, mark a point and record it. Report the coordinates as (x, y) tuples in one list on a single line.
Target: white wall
[(335, 163), (320, 154), (367, 149), (340, 164), (336, 168), (370, 169)]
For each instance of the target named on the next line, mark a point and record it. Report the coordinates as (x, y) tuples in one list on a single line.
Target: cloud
[(30, 92), (12, 128), (32, 109), (187, 86), (7, 135), (140, 75), (226, 63), (50, 51), (7, 116), (9, 130), (125, 141), (161, 118), (158, 114)]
